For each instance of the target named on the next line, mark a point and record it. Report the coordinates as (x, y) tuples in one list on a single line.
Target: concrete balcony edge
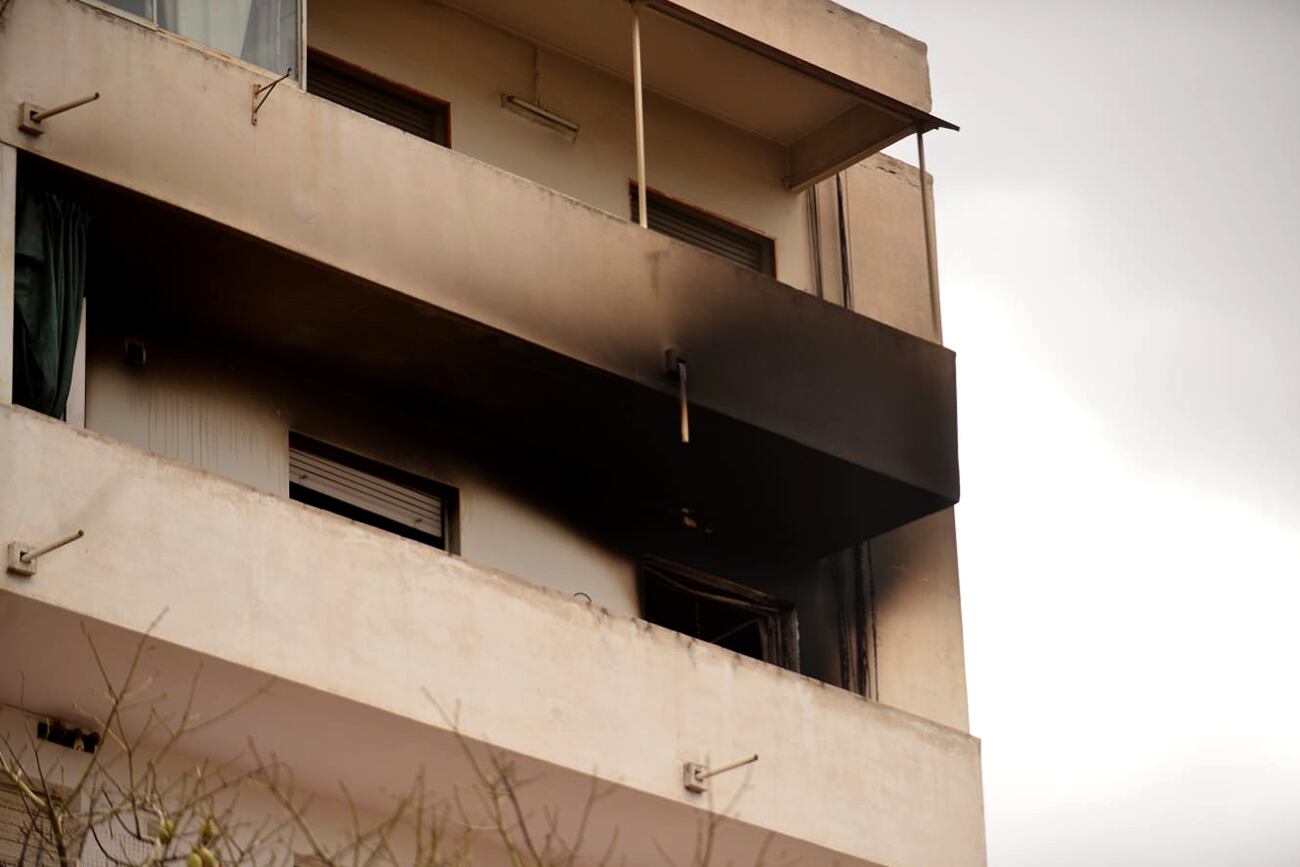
[(268, 584)]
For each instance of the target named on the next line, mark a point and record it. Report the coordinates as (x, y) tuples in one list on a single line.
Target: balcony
[(362, 255), (825, 85), (355, 622)]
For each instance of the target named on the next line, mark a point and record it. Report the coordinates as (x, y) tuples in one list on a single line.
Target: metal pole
[(931, 267), (53, 546), (684, 407), (640, 117), (731, 767), (60, 109)]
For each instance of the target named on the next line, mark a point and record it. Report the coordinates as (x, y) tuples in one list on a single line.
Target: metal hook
[(22, 556), (31, 116), (264, 90)]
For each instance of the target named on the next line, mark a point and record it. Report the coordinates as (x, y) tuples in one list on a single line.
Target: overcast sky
[(1119, 246)]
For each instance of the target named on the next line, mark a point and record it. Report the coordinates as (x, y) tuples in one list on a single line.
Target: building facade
[(562, 379)]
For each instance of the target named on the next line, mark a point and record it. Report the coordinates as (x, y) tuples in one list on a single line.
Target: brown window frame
[(776, 618), (448, 495), (440, 108), (707, 219)]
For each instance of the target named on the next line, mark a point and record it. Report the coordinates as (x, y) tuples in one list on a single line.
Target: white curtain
[(220, 24), (264, 32)]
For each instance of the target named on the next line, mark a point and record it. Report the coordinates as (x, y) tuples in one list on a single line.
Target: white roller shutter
[(420, 510)]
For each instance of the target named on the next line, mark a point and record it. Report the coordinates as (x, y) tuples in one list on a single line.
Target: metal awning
[(824, 120), (870, 124)]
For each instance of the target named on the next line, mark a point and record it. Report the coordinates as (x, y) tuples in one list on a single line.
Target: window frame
[(349, 67), (448, 495), (709, 218), (780, 616), (300, 55)]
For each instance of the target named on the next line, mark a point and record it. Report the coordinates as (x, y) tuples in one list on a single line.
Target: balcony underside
[(601, 440), (328, 739), (824, 120)]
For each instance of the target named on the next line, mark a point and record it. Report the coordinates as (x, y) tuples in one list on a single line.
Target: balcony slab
[(267, 585)]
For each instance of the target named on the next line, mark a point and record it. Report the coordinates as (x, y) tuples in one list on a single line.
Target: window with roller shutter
[(706, 231), (371, 493), (392, 103)]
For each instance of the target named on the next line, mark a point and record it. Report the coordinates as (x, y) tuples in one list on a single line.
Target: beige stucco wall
[(690, 155), (887, 255), (231, 417), (240, 808), (262, 582), (920, 664), (920, 660), (196, 403), (834, 38)]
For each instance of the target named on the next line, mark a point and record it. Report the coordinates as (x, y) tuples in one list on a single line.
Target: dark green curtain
[(49, 283)]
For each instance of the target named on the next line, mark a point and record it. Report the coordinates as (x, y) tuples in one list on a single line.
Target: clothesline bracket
[(21, 557), (695, 774), (264, 91), (32, 117)]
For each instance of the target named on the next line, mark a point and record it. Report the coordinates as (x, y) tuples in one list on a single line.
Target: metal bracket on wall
[(32, 117), (264, 91), (694, 774), (21, 557)]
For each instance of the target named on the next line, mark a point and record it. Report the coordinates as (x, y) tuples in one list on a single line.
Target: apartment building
[(576, 365)]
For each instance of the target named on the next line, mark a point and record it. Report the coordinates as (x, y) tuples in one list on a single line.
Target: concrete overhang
[(828, 85), (357, 624), (812, 428)]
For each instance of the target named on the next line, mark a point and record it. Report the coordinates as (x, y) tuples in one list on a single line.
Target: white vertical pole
[(8, 228), (302, 44), (640, 116), (685, 410), (931, 266)]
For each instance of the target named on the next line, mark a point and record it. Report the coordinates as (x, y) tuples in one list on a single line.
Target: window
[(720, 612), (25, 836), (706, 231), (264, 32), (26, 839), (387, 101), (370, 493)]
